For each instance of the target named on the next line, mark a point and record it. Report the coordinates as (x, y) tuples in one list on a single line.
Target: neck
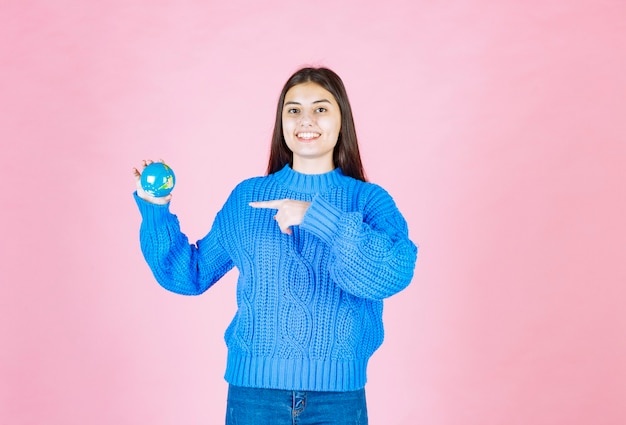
[(305, 166), (309, 183)]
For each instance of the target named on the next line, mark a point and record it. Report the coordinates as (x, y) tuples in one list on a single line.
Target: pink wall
[(499, 127)]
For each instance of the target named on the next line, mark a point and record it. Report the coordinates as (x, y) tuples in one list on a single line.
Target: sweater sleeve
[(177, 265), (373, 256)]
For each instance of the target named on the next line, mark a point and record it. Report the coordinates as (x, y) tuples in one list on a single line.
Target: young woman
[(317, 249)]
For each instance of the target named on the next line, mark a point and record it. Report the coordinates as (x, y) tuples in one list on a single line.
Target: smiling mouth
[(308, 136)]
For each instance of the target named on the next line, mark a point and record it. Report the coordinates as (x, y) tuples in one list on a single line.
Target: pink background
[(498, 127)]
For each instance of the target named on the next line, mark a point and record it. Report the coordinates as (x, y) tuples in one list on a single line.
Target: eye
[(321, 109), (292, 110)]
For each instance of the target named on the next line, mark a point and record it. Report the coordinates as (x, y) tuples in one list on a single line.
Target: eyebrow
[(298, 103)]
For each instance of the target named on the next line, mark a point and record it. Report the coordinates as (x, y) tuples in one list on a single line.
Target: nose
[(306, 120)]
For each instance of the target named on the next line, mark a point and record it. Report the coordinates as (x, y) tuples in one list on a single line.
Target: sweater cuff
[(152, 213), (322, 219)]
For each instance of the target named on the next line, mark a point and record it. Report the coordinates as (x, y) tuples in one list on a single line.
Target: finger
[(136, 173), (275, 204), (285, 229)]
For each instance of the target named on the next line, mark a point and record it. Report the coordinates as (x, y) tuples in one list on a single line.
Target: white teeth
[(308, 135)]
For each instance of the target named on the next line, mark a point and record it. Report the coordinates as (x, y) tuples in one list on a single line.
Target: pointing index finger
[(275, 204)]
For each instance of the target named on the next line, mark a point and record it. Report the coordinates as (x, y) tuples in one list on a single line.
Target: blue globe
[(158, 179)]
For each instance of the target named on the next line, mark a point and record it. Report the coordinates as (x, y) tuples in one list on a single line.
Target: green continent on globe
[(169, 183)]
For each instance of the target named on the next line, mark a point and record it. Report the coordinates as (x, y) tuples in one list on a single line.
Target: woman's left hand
[(289, 212)]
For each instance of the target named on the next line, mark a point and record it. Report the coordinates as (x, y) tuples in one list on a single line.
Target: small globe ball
[(158, 179)]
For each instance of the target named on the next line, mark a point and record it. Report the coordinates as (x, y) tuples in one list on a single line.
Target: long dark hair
[(346, 154)]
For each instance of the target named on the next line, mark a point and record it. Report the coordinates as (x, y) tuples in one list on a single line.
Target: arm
[(373, 256), (178, 266)]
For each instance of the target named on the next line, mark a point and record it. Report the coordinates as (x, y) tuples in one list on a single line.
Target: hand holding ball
[(158, 179)]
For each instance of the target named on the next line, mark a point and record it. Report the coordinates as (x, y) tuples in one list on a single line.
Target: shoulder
[(369, 198), (247, 190), (367, 190)]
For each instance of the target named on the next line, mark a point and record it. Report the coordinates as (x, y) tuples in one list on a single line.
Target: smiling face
[(311, 124)]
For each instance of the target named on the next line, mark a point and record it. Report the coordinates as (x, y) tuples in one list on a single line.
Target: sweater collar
[(308, 183)]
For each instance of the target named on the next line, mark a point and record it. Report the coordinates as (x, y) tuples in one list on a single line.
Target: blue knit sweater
[(310, 304)]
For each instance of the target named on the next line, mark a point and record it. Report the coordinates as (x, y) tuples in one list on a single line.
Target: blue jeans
[(259, 406)]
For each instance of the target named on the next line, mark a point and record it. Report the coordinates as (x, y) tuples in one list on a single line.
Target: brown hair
[(346, 153)]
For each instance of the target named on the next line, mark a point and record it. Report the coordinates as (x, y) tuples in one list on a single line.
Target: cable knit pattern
[(309, 304)]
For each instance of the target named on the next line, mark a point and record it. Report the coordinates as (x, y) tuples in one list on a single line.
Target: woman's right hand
[(142, 193)]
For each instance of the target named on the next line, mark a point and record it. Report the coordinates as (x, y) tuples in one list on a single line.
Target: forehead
[(307, 93)]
